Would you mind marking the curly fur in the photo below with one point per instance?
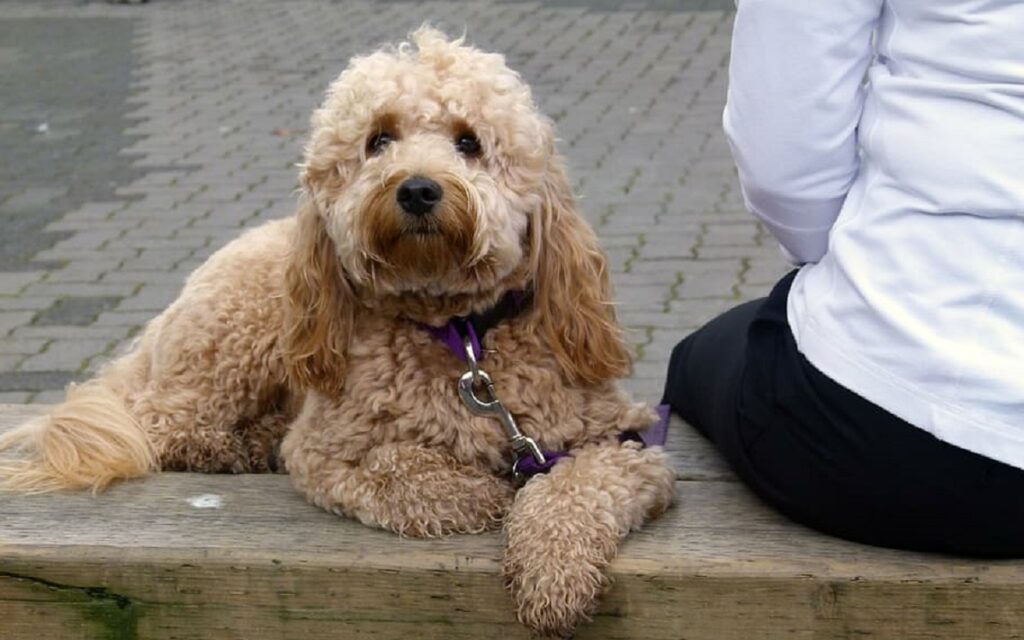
(564, 530)
(305, 336)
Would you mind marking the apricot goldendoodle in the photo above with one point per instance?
(431, 190)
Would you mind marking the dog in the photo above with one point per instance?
(432, 200)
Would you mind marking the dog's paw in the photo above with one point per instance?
(554, 597)
(556, 579)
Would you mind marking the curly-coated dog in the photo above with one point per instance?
(431, 191)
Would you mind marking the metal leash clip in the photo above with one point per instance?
(493, 408)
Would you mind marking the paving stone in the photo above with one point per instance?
(626, 295)
(765, 271)
(140, 241)
(14, 397)
(124, 318)
(83, 271)
(69, 355)
(68, 332)
(652, 367)
(139, 276)
(655, 319)
(709, 280)
(744, 235)
(619, 258)
(669, 245)
(643, 265)
(689, 314)
(22, 346)
(11, 319)
(164, 258)
(67, 255)
(111, 223)
(9, 362)
(76, 311)
(662, 341)
(25, 303)
(52, 396)
(717, 252)
(151, 297)
(33, 198)
(13, 283)
(79, 289)
(750, 292)
(628, 241)
(89, 240)
(35, 380)
(163, 227)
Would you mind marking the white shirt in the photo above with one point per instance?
(904, 195)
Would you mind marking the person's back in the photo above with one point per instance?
(918, 302)
(902, 198)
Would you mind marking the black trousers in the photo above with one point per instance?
(828, 458)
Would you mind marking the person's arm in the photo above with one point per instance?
(795, 98)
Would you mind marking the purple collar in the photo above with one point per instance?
(476, 325)
(450, 336)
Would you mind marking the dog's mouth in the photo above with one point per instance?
(422, 229)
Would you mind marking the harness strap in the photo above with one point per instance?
(654, 436)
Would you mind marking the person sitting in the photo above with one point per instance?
(877, 393)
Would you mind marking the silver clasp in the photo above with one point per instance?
(493, 408)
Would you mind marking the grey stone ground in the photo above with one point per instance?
(136, 140)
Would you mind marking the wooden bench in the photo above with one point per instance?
(244, 557)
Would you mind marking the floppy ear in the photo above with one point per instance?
(573, 295)
(319, 307)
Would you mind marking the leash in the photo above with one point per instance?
(463, 336)
(525, 447)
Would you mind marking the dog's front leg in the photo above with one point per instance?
(406, 488)
(565, 527)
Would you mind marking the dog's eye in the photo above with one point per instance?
(377, 142)
(468, 145)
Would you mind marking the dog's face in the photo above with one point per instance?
(431, 187)
(427, 165)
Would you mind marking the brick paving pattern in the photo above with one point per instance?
(137, 139)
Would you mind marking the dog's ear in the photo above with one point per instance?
(319, 307)
(573, 295)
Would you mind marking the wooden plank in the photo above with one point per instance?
(693, 457)
(141, 562)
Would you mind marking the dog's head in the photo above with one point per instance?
(431, 187)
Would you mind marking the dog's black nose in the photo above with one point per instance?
(418, 196)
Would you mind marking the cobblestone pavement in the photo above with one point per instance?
(137, 139)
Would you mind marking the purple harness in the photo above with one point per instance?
(653, 436)
(458, 342)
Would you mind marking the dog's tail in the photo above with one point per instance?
(86, 442)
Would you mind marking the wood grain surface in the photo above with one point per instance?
(191, 556)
